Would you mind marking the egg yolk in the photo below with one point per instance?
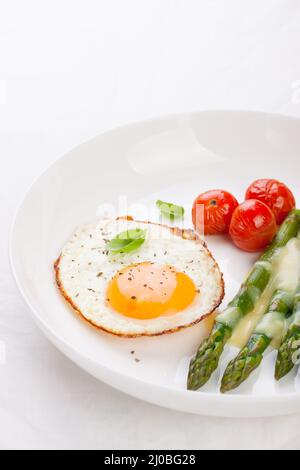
(149, 290)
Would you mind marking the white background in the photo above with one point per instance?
(68, 70)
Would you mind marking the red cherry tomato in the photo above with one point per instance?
(253, 226)
(276, 195)
(212, 212)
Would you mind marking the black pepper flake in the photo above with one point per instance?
(77, 295)
(132, 352)
(198, 291)
(99, 274)
(165, 253)
(133, 297)
(145, 285)
(137, 360)
(92, 290)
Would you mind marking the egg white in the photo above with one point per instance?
(84, 270)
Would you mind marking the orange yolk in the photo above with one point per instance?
(148, 290)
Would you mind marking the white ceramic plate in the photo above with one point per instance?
(174, 158)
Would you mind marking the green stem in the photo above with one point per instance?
(270, 328)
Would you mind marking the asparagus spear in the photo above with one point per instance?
(271, 327)
(287, 354)
(207, 358)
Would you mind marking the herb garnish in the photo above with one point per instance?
(169, 210)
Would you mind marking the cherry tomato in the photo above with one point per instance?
(253, 226)
(212, 212)
(276, 195)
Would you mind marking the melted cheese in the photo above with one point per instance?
(286, 276)
(271, 325)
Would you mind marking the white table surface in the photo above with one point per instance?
(69, 70)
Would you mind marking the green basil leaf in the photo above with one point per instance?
(127, 241)
(172, 211)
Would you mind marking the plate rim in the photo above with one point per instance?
(51, 333)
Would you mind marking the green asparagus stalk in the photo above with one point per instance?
(288, 351)
(271, 327)
(207, 358)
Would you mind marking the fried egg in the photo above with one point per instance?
(170, 282)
